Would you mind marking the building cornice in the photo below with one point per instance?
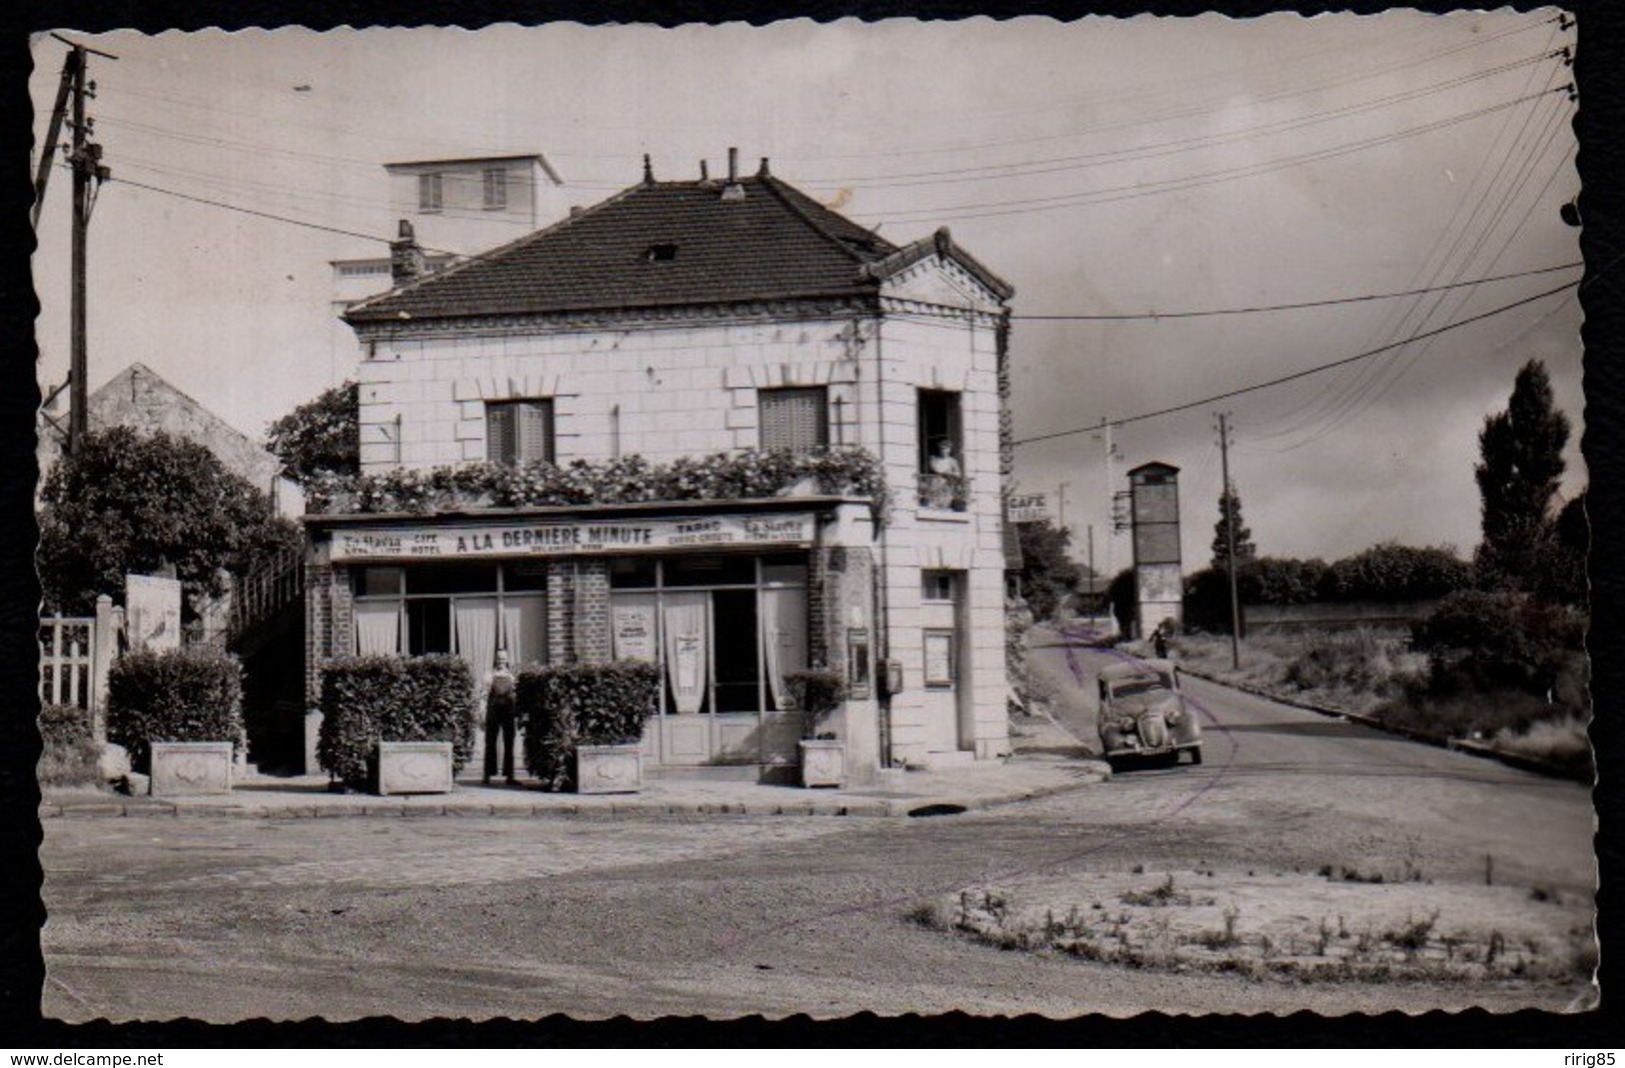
(676, 315)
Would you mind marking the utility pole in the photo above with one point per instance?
(1060, 506)
(1228, 498)
(88, 172)
(1092, 583)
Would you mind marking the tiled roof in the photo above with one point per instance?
(656, 244)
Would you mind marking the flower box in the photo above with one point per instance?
(609, 769)
(180, 769)
(823, 762)
(413, 768)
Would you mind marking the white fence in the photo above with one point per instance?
(75, 654)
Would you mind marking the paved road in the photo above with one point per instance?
(231, 918)
(1279, 767)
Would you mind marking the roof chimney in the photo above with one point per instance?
(648, 170)
(733, 190)
(705, 173)
(762, 171)
(406, 260)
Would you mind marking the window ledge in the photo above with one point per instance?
(942, 515)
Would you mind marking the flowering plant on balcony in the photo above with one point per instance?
(751, 473)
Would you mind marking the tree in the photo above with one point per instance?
(1048, 575)
(1561, 577)
(321, 436)
(1230, 512)
(126, 503)
(1521, 451)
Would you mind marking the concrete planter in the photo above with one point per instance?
(823, 762)
(180, 769)
(609, 769)
(413, 768)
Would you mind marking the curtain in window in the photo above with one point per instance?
(688, 634)
(377, 627)
(524, 630)
(784, 637)
(477, 636)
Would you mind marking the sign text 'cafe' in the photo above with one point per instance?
(571, 538)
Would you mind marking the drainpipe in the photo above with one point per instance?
(882, 651)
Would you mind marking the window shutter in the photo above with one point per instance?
(795, 419)
(499, 434)
(534, 439)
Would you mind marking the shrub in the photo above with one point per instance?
(71, 755)
(368, 699)
(1394, 572)
(817, 692)
(192, 694)
(1485, 641)
(567, 705)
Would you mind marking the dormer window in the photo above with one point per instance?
(661, 253)
(431, 192)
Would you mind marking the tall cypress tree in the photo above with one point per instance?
(1230, 512)
(1521, 465)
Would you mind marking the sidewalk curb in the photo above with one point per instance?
(856, 805)
(1459, 745)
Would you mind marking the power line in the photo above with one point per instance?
(1292, 307)
(1131, 192)
(1255, 387)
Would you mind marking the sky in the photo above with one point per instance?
(1132, 168)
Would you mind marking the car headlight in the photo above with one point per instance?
(1125, 724)
(1173, 716)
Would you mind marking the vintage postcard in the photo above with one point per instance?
(906, 516)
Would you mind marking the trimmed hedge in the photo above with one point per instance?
(70, 755)
(191, 694)
(567, 705)
(368, 699)
(816, 692)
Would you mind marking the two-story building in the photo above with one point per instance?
(677, 319)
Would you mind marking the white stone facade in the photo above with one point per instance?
(688, 384)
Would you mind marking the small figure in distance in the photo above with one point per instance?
(1159, 641)
(500, 709)
(943, 463)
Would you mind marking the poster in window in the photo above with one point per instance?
(939, 658)
(633, 628)
(857, 662)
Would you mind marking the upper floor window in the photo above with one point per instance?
(431, 192)
(519, 431)
(941, 451)
(795, 419)
(496, 189)
(937, 586)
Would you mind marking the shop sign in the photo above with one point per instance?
(571, 537)
(1028, 507)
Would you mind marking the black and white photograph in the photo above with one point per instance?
(1072, 517)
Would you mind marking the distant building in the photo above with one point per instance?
(681, 318)
(456, 207)
(140, 398)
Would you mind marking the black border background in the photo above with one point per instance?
(1600, 73)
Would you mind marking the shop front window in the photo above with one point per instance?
(725, 630)
(470, 610)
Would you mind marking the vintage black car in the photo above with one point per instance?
(1143, 715)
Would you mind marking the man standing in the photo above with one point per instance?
(499, 717)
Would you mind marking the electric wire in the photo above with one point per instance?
(1294, 376)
